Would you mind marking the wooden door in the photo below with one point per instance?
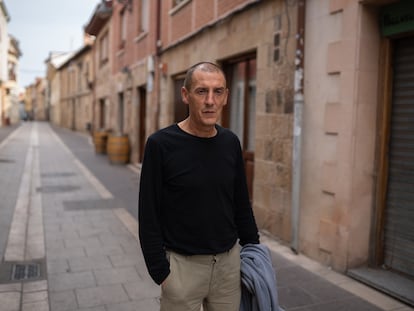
(240, 112)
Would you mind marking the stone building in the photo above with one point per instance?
(53, 63)
(4, 46)
(36, 100)
(357, 178)
(76, 97)
(11, 105)
(320, 97)
(99, 27)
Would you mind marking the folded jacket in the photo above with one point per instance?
(259, 291)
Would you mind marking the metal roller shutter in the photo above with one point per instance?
(399, 214)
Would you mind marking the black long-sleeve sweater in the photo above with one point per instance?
(193, 197)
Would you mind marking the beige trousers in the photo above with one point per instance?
(209, 280)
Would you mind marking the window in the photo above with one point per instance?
(123, 29)
(103, 49)
(79, 77)
(180, 109)
(143, 16)
(242, 102)
(12, 71)
(121, 112)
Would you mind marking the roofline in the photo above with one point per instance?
(4, 9)
(78, 53)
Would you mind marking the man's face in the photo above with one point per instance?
(207, 97)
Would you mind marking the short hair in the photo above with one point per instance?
(203, 66)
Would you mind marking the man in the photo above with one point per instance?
(194, 204)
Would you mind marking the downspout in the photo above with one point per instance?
(158, 51)
(298, 103)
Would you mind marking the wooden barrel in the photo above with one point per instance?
(99, 140)
(118, 149)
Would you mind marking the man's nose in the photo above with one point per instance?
(210, 97)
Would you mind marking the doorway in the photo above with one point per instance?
(240, 113)
(180, 109)
(142, 116)
(121, 112)
(398, 230)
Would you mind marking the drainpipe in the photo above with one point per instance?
(297, 125)
(157, 74)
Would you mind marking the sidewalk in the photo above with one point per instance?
(93, 261)
(73, 221)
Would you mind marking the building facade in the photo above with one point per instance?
(38, 103)
(53, 63)
(76, 81)
(99, 27)
(4, 47)
(357, 176)
(320, 97)
(11, 105)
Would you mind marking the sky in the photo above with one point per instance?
(44, 26)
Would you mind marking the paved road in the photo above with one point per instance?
(81, 228)
(122, 181)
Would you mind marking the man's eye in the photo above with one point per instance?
(219, 91)
(201, 92)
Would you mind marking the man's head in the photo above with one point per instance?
(205, 93)
(203, 66)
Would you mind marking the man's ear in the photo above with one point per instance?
(184, 95)
(227, 97)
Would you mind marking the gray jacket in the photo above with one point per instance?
(259, 292)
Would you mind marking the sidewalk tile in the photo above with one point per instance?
(35, 297)
(145, 304)
(65, 281)
(98, 296)
(10, 301)
(36, 306)
(116, 276)
(35, 286)
(89, 263)
(83, 242)
(65, 253)
(125, 260)
(13, 287)
(63, 301)
(141, 290)
(57, 266)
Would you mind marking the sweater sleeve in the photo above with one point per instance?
(244, 217)
(149, 213)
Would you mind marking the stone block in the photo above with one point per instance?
(329, 177)
(332, 118)
(327, 235)
(334, 57)
(336, 6)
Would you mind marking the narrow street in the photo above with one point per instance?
(69, 236)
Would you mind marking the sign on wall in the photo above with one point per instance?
(397, 18)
